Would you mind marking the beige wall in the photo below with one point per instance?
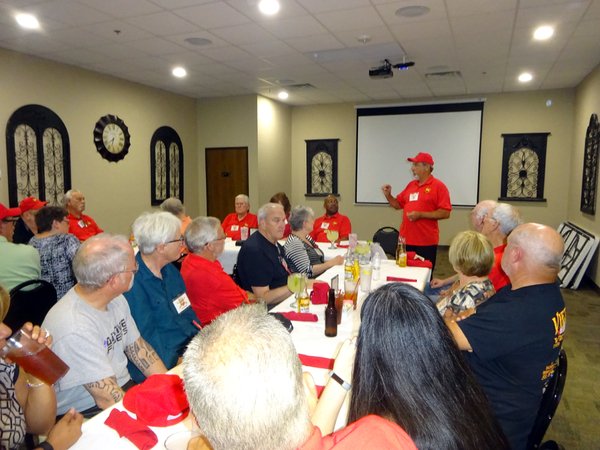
(503, 113)
(587, 102)
(116, 193)
(228, 122)
(274, 149)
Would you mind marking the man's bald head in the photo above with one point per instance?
(480, 211)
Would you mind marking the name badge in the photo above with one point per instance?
(325, 225)
(235, 227)
(81, 224)
(414, 197)
(182, 303)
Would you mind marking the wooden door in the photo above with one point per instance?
(226, 177)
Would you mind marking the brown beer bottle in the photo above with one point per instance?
(331, 316)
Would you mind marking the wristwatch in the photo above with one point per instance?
(336, 377)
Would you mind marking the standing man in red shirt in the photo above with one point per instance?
(424, 201)
(240, 218)
(80, 225)
(332, 220)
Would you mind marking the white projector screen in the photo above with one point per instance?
(387, 136)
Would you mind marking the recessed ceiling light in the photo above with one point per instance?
(543, 33)
(269, 6)
(525, 77)
(198, 41)
(179, 72)
(412, 11)
(283, 95)
(27, 21)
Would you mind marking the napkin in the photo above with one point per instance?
(405, 280)
(300, 317)
(414, 260)
(342, 246)
(318, 362)
(139, 434)
(318, 296)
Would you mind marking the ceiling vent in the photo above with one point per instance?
(444, 76)
(299, 87)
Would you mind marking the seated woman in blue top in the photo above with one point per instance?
(301, 252)
(158, 300)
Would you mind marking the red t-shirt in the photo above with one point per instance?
(497, 276)
(211, 291)
(84, 227)
(231, 225)
(336, 222)
(370, 432)
(430, 196)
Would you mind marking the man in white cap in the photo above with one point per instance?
(424, 201)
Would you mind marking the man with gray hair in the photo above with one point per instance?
(242, 217)
(243, 369)
(94, 332)
(80, 225)
(261, 264)
(480, 211)
(211, 291)
(513, 341)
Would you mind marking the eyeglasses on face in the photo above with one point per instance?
(180, 240)
(133, 271)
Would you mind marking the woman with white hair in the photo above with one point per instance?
(301, 252)
(157, 299)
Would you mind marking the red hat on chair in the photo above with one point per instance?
(422, 158)
(160, 401)
(9, 212)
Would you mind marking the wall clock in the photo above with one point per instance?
(111, 138)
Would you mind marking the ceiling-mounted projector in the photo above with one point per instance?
(385, 71)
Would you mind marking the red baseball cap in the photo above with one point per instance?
(160, 401)
(9, 212)
(30, 203)
(422, 158)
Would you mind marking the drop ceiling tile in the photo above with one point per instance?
(308, 70)
(248, 63)
(9, 12)
(117, 67)
(315, 43)
(468, 7)
(266, 49)
(35, 45)
(289, 60)
(587, 28)
(533, 3)
(176, 4)
(221, 54)
(78, 57)
(189, 60)
(550, 15)
(482, 23)
(437, 11)
(118, 51)
(70, 13)
(214, 69)
(78, 37)
(162, 24)
(351, 19)
(155, 46)
(212, 15)
(421, 30)
(377, 35)
(216, 42)
(287, 9)
(585, 48)
(421, 48)
(294, 28)
(320, 6)
(153, 63)
(122, 9)
(250, 33)
(118, 31)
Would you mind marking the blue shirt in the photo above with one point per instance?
(151, 303)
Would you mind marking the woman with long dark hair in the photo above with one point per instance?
(409, 370)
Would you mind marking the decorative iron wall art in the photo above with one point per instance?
(580, 247)
(166, 165)
(523, 167)
(38, 156)
(321, 167)
(589, 183)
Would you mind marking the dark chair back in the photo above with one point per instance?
(388, 239)
(30, 306)
(550, 401)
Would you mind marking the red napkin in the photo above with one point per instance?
(342, 245)
(139, 434)
(412, 260)
(300, 317)
(319, 362)
(405, 280)
(318, 296)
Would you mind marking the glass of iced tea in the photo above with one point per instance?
(33, 357)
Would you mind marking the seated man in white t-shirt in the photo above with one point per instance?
(94, 333)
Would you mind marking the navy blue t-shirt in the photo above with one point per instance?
(261, 263)
(516, 337)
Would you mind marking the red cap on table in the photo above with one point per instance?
(160, 401)
(422, 158)
(29, 203)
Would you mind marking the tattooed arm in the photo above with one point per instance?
(105, 392)
(145, 358)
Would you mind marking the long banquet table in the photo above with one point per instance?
(308, 337)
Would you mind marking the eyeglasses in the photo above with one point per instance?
(180, 240)
(133, 271)
(10, 219)
(219, 239)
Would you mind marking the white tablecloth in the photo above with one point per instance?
(308, 337)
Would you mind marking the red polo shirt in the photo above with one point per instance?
(211, 291)
(430, 196)
(370, 432)
(497, 276)
(231, 225)
(84, 227)
(336, 222)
